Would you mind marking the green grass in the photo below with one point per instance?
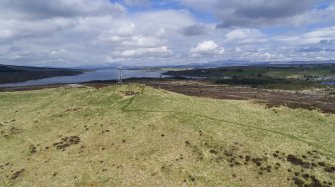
(155, 138)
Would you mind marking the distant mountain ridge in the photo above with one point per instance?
(213, 64)
(230, 62)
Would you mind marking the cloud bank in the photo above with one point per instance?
(72, 33)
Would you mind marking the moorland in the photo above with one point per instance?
(168, 132)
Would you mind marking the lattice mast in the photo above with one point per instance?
(119, 80)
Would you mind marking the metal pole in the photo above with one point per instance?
(120, 75)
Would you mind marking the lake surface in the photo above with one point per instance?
(332, 83)
(105, 74)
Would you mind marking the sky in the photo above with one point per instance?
(71, 33)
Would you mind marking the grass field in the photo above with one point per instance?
(134, 135)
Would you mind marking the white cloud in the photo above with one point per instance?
(58, 52)
(315, 16)
(6, 33)
(77, 32)
(244, 36)
(167, 19)
(91, 39)
(126, 29)
(206, 48)
(140, 52)
(141, 41)
(312, 37)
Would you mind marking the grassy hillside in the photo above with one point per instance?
(133, 135)
(13, 74)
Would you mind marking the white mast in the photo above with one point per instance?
(120, 75)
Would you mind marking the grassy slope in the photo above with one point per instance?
(155, 138)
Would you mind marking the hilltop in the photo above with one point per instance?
(136, 135)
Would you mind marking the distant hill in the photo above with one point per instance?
(13, 74)
(230, 62)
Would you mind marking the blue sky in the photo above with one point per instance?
(150, 32)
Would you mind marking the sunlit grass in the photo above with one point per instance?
(150, 137)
